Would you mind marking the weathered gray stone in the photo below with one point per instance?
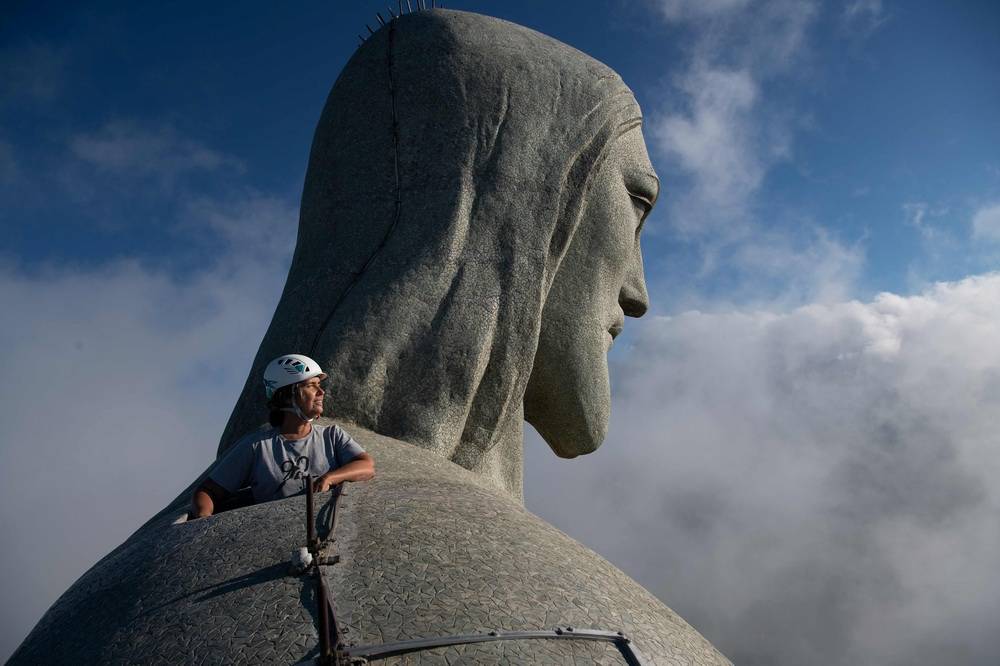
(426, 549)
(487, 294)
(482, 287)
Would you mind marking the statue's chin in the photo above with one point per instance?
(570, 433)
(568, 399)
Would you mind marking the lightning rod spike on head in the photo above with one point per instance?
(391, 13)
(399, 6)
(370, 31)
(409, 7)
(361, 39)
(379, 17)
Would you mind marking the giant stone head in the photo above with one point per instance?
(468, 243)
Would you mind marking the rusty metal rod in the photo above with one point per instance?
(325, 651)
(310, 518)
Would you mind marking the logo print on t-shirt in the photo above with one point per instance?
(295, 469)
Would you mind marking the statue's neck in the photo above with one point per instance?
(497, 455)
(502, 464)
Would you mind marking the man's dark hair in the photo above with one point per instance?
(282, 398)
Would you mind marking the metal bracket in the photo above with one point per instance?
(349, 655)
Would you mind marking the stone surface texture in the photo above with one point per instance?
(467, 250)
(426, 549)
(461, 171)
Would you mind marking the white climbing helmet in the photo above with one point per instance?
(289, 369)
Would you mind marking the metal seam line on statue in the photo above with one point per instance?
(332, 651)
(398, 202)
(625, 646)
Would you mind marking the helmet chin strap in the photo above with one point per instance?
(298, 412)
(294, 409)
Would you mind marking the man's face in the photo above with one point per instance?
(310, 396)
(599, 282)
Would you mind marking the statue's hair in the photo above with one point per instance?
(447, 177)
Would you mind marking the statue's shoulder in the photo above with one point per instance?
(429, 549)
(426, 549)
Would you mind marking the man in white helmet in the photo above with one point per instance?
(274, 462)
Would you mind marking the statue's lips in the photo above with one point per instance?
(615, 322)
(616, 328)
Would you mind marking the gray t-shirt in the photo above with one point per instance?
(275, 467)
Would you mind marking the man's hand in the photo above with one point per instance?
(324, 483)
(361, 468)
(203, 504)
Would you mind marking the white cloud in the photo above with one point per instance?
(127, 149)
(118, 383)
(765, 36)
(821, 269)
(864, 17)
(726, 124)
(686, 10)
(920, 215)
(31, 71)
(256, 227)
(763, 268)
(917, 211)
(714, 140)
(819, 481)
(986, 223)
(717, 128)
(123, 373)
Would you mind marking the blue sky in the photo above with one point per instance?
(866, 119)
(821, 268)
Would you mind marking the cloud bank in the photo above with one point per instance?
(719, 131)
(725, 122)
(986, 223)
(118, 382)
(811, 486)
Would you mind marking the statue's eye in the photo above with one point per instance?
(643, 188)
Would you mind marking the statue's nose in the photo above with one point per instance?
(633, 297)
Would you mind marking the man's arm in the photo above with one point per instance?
(232, 471)
(361, 468)
(206, 496)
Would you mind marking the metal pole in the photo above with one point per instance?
(310, 518)
(324, 618)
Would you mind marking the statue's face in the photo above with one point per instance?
(599, 282)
